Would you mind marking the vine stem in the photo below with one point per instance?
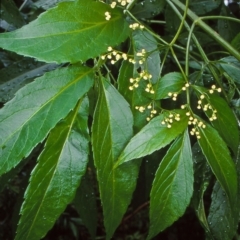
(198, 21)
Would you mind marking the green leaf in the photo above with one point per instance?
(222, 218)
(236, 42)
(172, 187)
(148, 8)
(226, 122)
(112, 129)
(85, 203)
(136, 97)
(46, 4)
(202, 177)
(202, 7)
(153, 136)
(219, 159)
(27, 119)
(171, 82)
(18, 74)
(141, 39)
(71, 32)
(57, 175)
(10, 17)
(232, 70)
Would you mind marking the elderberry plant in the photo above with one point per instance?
(114, 82)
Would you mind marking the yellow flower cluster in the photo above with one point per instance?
(107, 16)
(196, 124)
(150, 106)
(142, 56)
(170, 119)
(121, 2)
(114, 55)
(214, 88)
(135, 26)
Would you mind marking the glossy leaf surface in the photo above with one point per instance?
(222, 218)
(71, 32)
(112, 129)
(219, 159)
(57, 175)
(226, 122)
(153, 136)
(37, 108)
(171, 82)
(172, 187)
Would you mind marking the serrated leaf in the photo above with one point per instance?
(70, 32)
(172, 187)
(226, 122)
(222, 218)
(171, 82)
(153, 136)
(141, 39)
(112, 129)
(57, 175)
(18, 74)
(27, 119)
(85, 203)
(219, 159)
(148, 8)
(10, 17)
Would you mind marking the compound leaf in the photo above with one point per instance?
(70, 32)
(172, 187)
(55, 178)
(112, 129)
(37, 108)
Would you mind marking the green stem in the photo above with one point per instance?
(181, 24)
(130, 5)
(198, 21)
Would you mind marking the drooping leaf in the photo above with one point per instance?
(57, 175)
(226, 122)
(220, 161)
(27, 119)
(172, 187)
(71, 32)
(141, 39)
(18, 74)
(85, 203)
(153, 136)
(222, 218)
(10, 17)
(112, 129)
(148, 8)
(202, 177)
(169, 83)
